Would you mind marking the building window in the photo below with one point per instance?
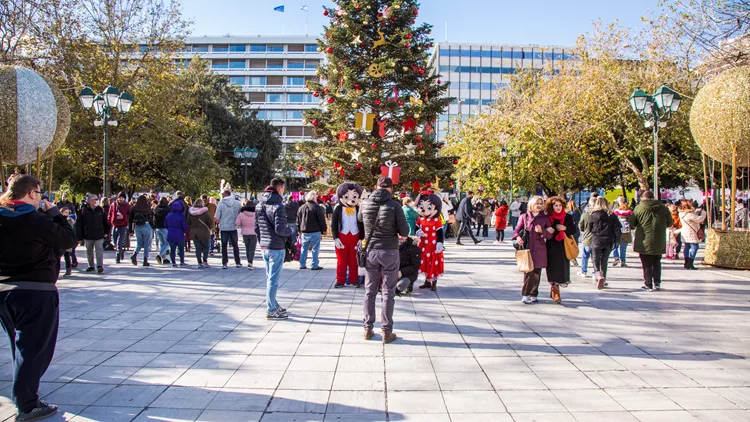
(257, 64)
(294, 114)
(198, 48)
(274, 98)
(295, 80)
(221, 48)
(275, 64)
(300, 98)
(275, 80)
(237, 80)
(311, 48)
(273, 115)
(312, 64)
(258, 80)
(294, 131)
(295, 64)
(219, 64)
(258, 48)
(276, 48)
(257, 97)
(237, 64)
(237, 48)
(296, 48)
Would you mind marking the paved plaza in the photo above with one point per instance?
(164, 344)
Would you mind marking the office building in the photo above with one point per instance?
(477, 71)
(270, 70)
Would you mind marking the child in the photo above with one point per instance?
(176, 226)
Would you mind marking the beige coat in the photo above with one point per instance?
(691, 225)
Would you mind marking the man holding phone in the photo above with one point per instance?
(31, 244)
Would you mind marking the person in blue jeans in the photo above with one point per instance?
(160, 214)
(140, 222)
(586, 238)
(176, 225)
(272, 231)
(311, 221)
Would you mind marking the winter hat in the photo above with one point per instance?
(122, 195)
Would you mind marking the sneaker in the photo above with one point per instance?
(478, 241)
(599, 280)
(205, 265)
(497, 242)
(182, 264)
(337, 286)
(134, 260)
(316, 268)
(657, 287)
(389, 337)
(224, 267)
(582, 274)
(622, 264)
(646, 288)
(158, 259)
(200, 265)
(277, 315)
(90, 269)
(249, 266)
(302, 268)
(100, 269)
(67, 272)
(616, 263)
(525, 299)
(166, 261)
(282, 309)
(117, 259)
(174, 265)
(238, 266)
(534, 299)
(42, 410)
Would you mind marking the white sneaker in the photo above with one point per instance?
(534, 299)
(526, 299)
(497, 242)
(581, 274)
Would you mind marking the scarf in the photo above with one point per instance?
(558, 216)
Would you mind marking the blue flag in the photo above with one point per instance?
(279, 8)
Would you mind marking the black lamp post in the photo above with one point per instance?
(655, 110)
(512, 158)
(104, 105)
(246, 154)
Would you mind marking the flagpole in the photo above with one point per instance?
(307, 20)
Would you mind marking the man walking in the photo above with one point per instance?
(118, 219)
(384, 222)
(226, 214)
(91, 228)
(651, 219)
(272, 232)
(515, 213)
(311, 221)
(465, 215)
(31, 244)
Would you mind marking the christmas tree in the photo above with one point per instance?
(378, 99)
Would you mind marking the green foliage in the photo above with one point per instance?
(390, 80)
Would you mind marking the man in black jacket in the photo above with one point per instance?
(291, 207)
(384, 222)
(408, 269)
(31, 244)
(465, 215)
(272, 232)
(91, 228)
(311, 221)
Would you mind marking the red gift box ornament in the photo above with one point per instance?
(391, 169)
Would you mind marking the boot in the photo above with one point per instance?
(369, 333)
(388, 336)
(686, 264)
(145, 263)
(134, 259)
(434, 285)
(117, 257)
(555, 293)
(67, 271)
(427, 285)
(691, 264)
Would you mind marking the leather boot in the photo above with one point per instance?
(686, 265)
(691, 264)
(369, 333)
(388, 336)
(427, 285)
(434, 286)
(555, 292)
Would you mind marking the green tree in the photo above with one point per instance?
(376, 67)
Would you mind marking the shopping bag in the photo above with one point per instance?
(524, 263)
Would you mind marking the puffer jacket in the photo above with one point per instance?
(388, 224)
(409, 255)
(226, 212)
(270, 221)
(605, 230)
(691, 225)
(175, 223)
(651, 220)
(160, 214)
(246, 221)
(200, 223)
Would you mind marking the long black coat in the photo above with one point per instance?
(558, 265)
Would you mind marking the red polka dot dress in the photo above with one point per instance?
(432, 262)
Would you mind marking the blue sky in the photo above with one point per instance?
(551, 22)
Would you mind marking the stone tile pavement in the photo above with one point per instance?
(163, 344)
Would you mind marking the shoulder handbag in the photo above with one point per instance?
(362, 250)
(289, 247)
(571, 247)
(700, 234)
(524, 260)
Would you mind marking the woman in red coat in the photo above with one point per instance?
(501, 222)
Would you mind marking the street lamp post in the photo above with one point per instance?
(655, 110)
(512, 157)
(246, 155)
(104, 106)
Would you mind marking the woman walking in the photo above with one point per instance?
(626, 237)
(141, 222)
(558, 264)
(606, 232)
(532, 230)
(480, 212)
(200, 227)
(246, 222)
(691, 232)
(501, 222)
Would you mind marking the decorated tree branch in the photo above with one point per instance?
(379, 101)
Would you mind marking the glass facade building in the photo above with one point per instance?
(270, 71)
(477, 71)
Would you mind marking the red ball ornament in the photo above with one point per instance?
(406, 45)
(414, 22)
(301, 193)
(400, 103)
(330, 100)
(408, 36)
(326, 90)
(315, 122)
(393, 19)
(440, 146)
(428, 184)
(300, 168)
(439, 82)
(316, 94)
(380, 15)
(329, 50)
(359, 7)
(325, 13)
(377, 102)
(359, 165)
(419, 144)
(455, 161)
(418, 138)
(450, 183)
(416, 12)
(317, 173)
(421, 71)
(374, 145)
(336, 165)
(403, 194)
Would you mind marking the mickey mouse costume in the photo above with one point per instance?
(347, 232)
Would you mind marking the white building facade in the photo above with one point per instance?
(477, 71)
(271, 71)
